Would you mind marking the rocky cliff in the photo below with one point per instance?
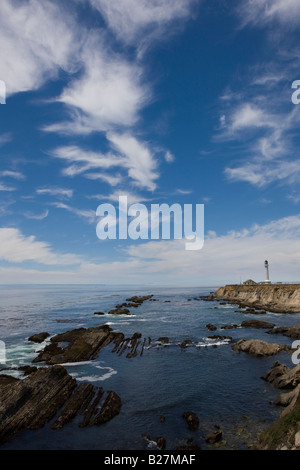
(281, 298)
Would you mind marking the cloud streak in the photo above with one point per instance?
(29, 34)
(18, 248)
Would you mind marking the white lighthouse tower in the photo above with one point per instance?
(267, 281)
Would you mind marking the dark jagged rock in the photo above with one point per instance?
(34, 401)
(7, 380)
(257, 324)
(80, 398)
(31, 403)
(229, 327)
(119, 311)
(134, 343)
(91, 411)
(161, 442)
(292, 332)
(110, 408)
(214, 437)
(39, 337)
(99, 313)
(122, 344)
(164, 340)
(221, 338)
(211, 327)
(284, 433)
(282, 377)
(186, 343)
(27, 370)
(191, 419)
(139, 299)
(76, 345)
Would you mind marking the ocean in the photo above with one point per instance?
(208, 378)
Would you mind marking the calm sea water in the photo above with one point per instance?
(223, 388)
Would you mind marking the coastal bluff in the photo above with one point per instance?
(277, 298)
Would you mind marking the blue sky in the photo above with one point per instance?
(166, 101)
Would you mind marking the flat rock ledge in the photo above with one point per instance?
(82, 344)
(259, 348)
(51, 394)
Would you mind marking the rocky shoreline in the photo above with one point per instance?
(49, 395)
(284, 434)
(276, 298)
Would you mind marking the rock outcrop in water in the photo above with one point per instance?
(135, 301)
(82, 344)
(39, 337)
(49, 393)
(259, 348)
(283, 298)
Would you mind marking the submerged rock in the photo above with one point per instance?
(214, 437)
(164, 340)
(191, 419)
(187, 342)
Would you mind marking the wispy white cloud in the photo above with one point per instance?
(128, 153)
(169, 157)
(81, 160)
(62, 192)
(41, 216)
(261, 12)
(183, 191)
(263, 129)
(89, 215)
(110, 92)
(132, 198)
(18, 248)
(141, 21)
(262, 173)
(112, 180)
(4, 187)
(138, 158)
(29, 35)
(13, 174)
(5, 138)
